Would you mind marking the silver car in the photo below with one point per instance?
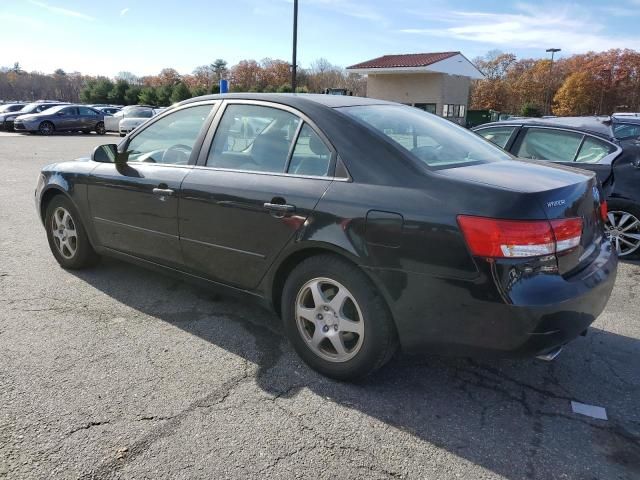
(134, 115)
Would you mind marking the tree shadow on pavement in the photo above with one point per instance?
(512, 417)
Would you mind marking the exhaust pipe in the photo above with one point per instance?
(551, 355)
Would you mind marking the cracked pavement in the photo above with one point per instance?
(118, 373)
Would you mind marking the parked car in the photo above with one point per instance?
(112, 124)
(11, 107)
(7, 119)
(63, 118)
(134, 118)
(365, 224)
(607, 146)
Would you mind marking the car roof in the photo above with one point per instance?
(600, 126)
(295, 99)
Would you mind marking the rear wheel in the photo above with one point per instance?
(46, 128)
(623, 228)
(336, 320)
(66, 235)
(100, 130)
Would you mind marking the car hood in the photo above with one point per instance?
(519, 175)
(3, 116)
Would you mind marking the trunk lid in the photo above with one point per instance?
(560, 192)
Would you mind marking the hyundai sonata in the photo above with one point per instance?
(366, 225)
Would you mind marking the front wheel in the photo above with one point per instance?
(100, 130)
(46, 128)
(336, 320)
(623, 229)
(67, 236)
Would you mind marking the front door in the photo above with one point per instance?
(135, 206)
(263, 176)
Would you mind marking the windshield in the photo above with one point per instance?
(436, 142)
(10, 108)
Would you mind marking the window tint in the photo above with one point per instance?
(310, 155)
(548, 144)
(87, 111)
(593, 150)
(498, 135)
(170, 139)
(253, 137)
(434, 141)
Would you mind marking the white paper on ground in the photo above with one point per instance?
(589, 410)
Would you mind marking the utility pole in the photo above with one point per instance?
(547, 101)
(295, 46)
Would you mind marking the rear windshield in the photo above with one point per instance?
(139, 113)
(436, 142)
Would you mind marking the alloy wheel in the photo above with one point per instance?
(46, 128)
(329, 319)
(623, 229)
(64, 232)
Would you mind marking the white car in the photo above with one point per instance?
(128, 118)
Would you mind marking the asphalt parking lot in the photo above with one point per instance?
(118, 372)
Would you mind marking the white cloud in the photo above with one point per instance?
(570, 27)
(61, 11)
(124, 11)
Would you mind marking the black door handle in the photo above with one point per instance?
(280, 207)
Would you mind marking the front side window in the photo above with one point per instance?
(549, 144)
(593, 150)
(170, 139)
(310, 155)
(434, 141)
(498, 135)
(69, 111)
(253, 138)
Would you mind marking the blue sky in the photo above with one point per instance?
(143, 36)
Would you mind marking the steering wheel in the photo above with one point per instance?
(174, 152)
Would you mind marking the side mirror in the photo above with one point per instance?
(108, 154)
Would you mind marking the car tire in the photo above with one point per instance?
(67, 236)
(623, 220)
(345, 339)
(100, 130)
(46, 128)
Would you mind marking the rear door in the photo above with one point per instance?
(135, 207)
(264, 173)
(571, 148)
(88, 118)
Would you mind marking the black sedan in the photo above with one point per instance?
(63, 118)
(365, 224)
(609, 147)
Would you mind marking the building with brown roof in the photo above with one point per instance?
(436, 82)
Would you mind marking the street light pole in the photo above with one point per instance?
(547, 102)
(295, 46)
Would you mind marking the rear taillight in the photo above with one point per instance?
(490, 237)
(604, 210)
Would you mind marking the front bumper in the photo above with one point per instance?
(502, 312)
(22, 126)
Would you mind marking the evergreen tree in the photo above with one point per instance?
(148, 96)
(180, 93)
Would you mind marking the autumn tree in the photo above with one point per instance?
(577, 95)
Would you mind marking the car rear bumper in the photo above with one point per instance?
(526, 315)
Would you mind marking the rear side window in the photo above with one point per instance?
(593, 150)
(436, 142)
(253, 138)
(310, 155)
(549, 144)
(497, 135)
